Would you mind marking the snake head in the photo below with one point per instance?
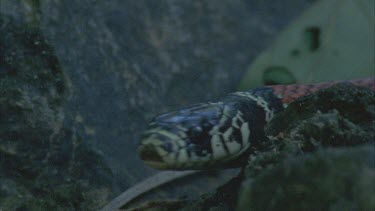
(201, 136)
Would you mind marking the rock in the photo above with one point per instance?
(44, 164)
(331, 179)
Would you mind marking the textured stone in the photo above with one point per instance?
(331, 179)
(43, 163)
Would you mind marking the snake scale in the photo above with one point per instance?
(223, 133)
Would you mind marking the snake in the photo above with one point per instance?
(223, 133)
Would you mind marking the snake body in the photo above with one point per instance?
(223, 133)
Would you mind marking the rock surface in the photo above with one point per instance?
(331, 179)
(44, 164)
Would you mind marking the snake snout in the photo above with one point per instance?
(150, 155)
(188, 138)
(153, 150)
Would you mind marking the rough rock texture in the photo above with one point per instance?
(129, 60)
(319, 156)
(331, 179)
(43, 163)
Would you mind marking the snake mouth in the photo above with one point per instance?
(150, 155)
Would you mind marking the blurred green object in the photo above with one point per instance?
(280, 73)
(333, 40)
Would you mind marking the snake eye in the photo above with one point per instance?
(196, 129)
(194, 132)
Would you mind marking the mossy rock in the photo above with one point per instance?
(331, 179)
(44, 165)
